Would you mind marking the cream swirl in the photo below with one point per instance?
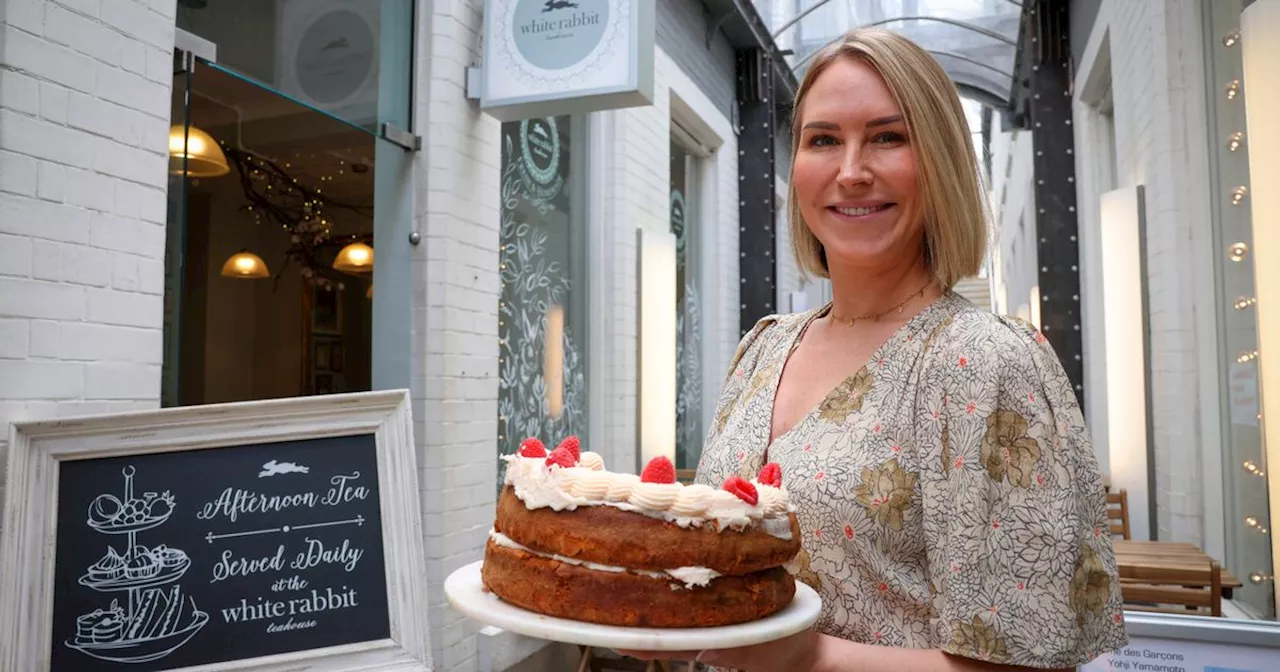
(773, 500)
(593, 486)
(692, 501)
(592, 461)
(655, 496)
(620, 487)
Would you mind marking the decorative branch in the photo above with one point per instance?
(280, 198)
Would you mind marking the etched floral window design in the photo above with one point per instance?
(542, 317)
(689, 428)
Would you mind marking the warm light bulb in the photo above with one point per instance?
(1238, 194)
(1235, 140)
(1251, 521)
(1244, 302)
(1231, 39)
(1238, 251)
(1233, 89)
(1246, 356)
(1258, 577)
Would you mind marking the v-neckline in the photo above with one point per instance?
(911, 325)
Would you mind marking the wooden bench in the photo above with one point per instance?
(1173, 586)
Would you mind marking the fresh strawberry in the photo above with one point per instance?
(572, 445)
(742, 489)
(771, 474)
(532, 447)
(562, 457)
(659, 470)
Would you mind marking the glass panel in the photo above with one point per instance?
(276, 256)
(1248, 524)
(329, 55)
(688, 310)
(969, 54)
(542, 323)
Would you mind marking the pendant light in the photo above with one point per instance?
(245, 264)
(204, 158)
(354, 258)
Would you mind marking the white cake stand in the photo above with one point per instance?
(466, 593)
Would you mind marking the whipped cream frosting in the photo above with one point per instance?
(566, 488)
(687, 576)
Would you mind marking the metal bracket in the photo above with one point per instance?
(187, 41)
(473, 80)
(713, 25)
(396, 135)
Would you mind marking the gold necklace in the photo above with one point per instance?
(876, 318)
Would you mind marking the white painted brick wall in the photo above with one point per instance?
(84, 119)
(456, 288)
(1154, 145)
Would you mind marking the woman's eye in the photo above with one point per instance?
(889, 138)
(821, 141)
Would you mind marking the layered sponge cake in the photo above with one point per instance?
(574, 540)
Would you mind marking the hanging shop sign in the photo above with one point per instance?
(152, 540)
(554, 57)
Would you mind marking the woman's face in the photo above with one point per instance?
(854, 171)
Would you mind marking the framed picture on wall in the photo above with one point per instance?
(322, 360)
(326, 311)
(335, 356)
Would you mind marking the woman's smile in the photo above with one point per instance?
(862, 211)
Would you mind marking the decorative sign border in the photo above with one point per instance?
(30, 514)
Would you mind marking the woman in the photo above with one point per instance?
(952, 511)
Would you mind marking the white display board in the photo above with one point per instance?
(1167, 655)
(1174, 643)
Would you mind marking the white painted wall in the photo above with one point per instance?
(1013, 254)
(84, 127)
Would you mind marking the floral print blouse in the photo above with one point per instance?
(947, 492)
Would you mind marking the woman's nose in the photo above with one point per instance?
(853, 169)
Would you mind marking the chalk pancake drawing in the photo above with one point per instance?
(155, 619)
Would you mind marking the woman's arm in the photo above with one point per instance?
(813, 652)
(841, 655)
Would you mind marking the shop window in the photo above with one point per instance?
(689, 329)
(542, 313)
(329, 55)
(270, 244)
(1247, 525)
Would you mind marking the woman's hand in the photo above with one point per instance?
(798, 653)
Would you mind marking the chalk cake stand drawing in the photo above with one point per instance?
(156, 621)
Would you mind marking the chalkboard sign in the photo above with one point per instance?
(180, 559)
(167, 559)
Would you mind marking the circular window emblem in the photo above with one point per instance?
(555, 34)
(677, 219)
(335, 56)
(540, 149)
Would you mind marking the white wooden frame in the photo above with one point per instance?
(30, 514)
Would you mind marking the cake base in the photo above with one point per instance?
(548, 586)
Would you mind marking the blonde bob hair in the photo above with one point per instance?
(955, 213)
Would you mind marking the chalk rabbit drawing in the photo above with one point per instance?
(155, 618)
(272, 468)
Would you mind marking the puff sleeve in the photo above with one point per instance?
(1020, 558)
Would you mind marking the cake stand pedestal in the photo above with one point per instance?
(466, 593)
